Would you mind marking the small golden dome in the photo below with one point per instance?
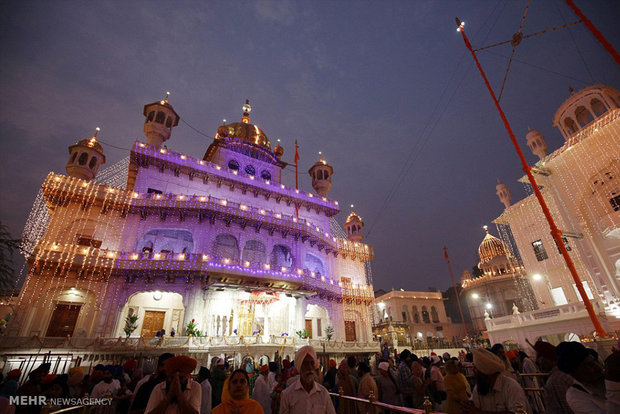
(490, 248)
(353, 217)
(244, 131)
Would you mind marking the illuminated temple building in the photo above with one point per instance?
(581, 186)
(219, 242)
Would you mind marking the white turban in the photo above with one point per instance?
(384, 366)
(487, 362)
(301, 354)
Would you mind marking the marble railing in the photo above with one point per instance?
(557, 313)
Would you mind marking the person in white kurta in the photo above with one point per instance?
(262, 391)
(205, 385)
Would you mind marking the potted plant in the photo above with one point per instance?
(130, 325)
(303, 334)
(329, 332)
(191, 330)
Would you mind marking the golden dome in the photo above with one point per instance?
(245, 132)
(490, 248)
(91, 143)
(353, 217)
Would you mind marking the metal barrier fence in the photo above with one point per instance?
(363, 406)
(535, 395)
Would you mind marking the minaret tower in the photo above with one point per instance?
(85, 157)
(160, 119)
(536, 142)
(354, 226)
(502, 191)
(321, 173)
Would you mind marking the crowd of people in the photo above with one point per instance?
(483, 380)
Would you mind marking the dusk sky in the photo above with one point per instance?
(385, 89)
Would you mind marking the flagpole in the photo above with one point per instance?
(458, 301)
(296, 175)
(598, 35)
(556, 233)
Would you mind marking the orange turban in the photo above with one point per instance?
(332, 363)
(264, 369)
(512, 354)
(14, 373)
(183, 364)
(130, 365)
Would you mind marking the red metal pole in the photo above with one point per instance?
(458, 300)
(555, 232)
(598, 35)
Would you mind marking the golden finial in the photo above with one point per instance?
(92, 141)
(247, 108)
(165, 100)
(486, 228)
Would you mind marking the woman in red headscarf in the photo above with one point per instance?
(236, 396)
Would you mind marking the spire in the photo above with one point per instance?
(354, 225)
(165, 100)
(85, 158)
(321, 173)
(502, 191)
(93, 140)
(247, 108)
(160, 118)
(536, 142)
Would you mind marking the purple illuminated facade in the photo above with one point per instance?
(217, 241)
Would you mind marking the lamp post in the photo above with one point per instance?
(555, 232)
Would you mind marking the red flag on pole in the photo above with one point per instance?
(296, 175)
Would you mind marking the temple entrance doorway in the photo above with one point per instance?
(153, 323)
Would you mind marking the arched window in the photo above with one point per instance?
(425, 316)
(170, 240)
(583, 116)
(83, 158)
(92, 162)
(404, 313)
(151, 116)
(169, 122)
(326, 175)
(434, 315)
(597, 107)
(570, 125)
(314, 264)
(281, 256)
(266, 175)
(73, 157)
(160, 117)
(226, 246)
(233, 165)
(254, 251)
(416, 315)
(249, 169)
(319, 175)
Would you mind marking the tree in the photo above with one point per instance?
(8, 246)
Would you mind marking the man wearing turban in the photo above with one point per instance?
(305, 395)
(587, 393)
(557, 382)
(179, 394)
(494, 392)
